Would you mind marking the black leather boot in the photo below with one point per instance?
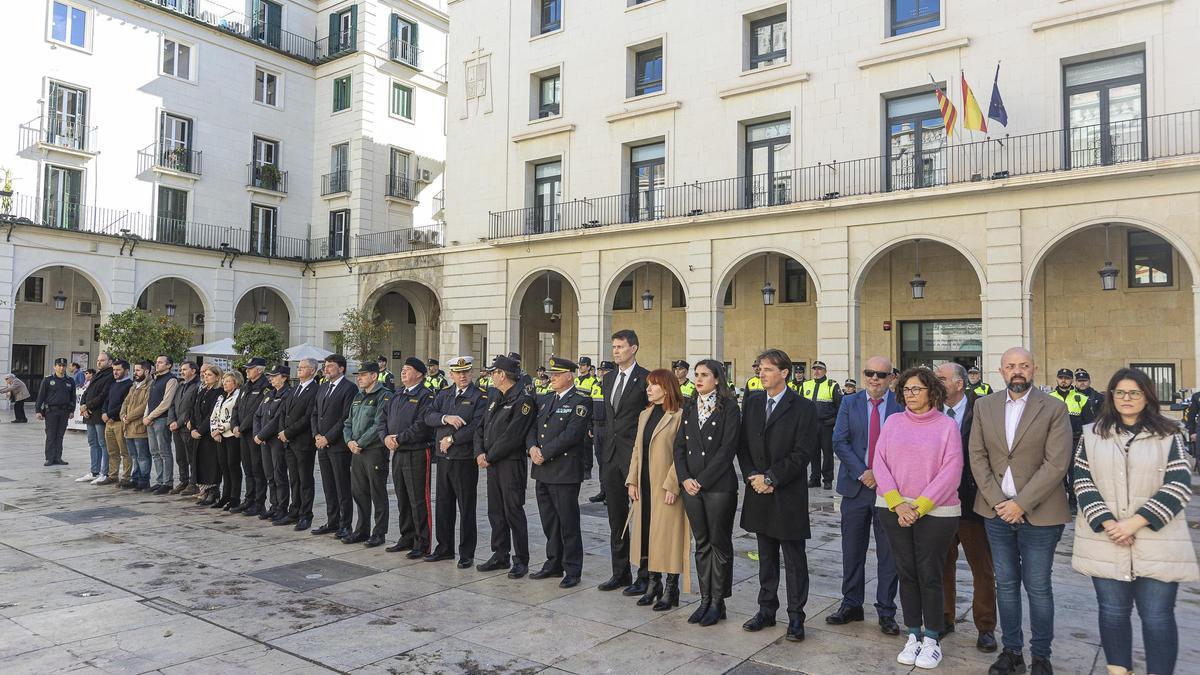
(701, 609)
(715, 613)
(653, 592)
(670, 594)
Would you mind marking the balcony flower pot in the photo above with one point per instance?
(269, 176)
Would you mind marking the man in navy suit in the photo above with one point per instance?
(859, 421)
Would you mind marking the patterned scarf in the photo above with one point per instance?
(705, 405)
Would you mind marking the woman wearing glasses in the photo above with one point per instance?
(918, 465)
(1132, 478)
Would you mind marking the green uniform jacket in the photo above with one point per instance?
(363, 421)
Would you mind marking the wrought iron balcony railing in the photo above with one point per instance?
(338, 181)
(266, 177)
(397, 241)
(59, 131)
(404, 52)
(402, 187)
(163, 155)
(1077, 149)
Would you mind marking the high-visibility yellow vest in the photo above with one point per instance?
(688, 389)
(793, 386)
(982, 389)
(823, 393)
(435, 383)
(484, 382)
(754, 384)
(585, 382)
(1075, 401)
(597, 391)
(541, 386)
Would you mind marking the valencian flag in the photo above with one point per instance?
(972, 115)
(996, 109)
(946, 106)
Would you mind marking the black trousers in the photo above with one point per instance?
(920, 554)
(185, 455)
(410, 480)
(368, 484)
(506, 482)
(252, 467)
(795, 562)
(558, 506)
(457, 488)
(711, 517)
(612, 483)
(56, 428)
(19, 411)
(335, 482)
(821, 466)
(229, 459)
(275, 464)
(300, 481)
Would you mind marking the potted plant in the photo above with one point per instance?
(269, 176)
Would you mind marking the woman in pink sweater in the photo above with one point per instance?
(917, 466)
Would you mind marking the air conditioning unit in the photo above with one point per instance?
(198, 319)
(426, 176)
(433, 237)
(416, 237)
(85, 308)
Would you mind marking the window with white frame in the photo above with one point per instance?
(69, 24)
(266, 87)
(263, 229)
(176, 59)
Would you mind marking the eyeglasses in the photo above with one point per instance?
(1132, 394)
(913, 391)
(881, 374)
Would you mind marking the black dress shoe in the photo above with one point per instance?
(638, 587)
(596, 499)
(569, 581)
(354, 538)
(343, 533)
(375, 541)
(465, 563)
(398, 547)
(815, 482)
(546, 573)
(986, 642)
(239, 507)
(414, 554)
(266, 515)
(795, 631)
(828, 486)
(615, 582)
(888, 625)
(285, 520)
(438, 557)
(758, 622)
(1041, 666)
(325, 529)
(492, 564)
(252, 510)
(845, 615)
(228, 506)
(48, 463)
(303, 524)
(518, 570)
(219, 503)
(61, 462)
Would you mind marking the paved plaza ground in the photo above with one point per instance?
(98, 579)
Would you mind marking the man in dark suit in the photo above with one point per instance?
(779, 436)
(559, 447)
(960, 402)
(859, 422)
(624, 399)
(300, 454)
(329, 414)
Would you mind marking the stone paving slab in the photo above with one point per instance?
(313, 573)
(93, 515)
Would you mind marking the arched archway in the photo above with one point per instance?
(745, 324)
(178, 299)
(264, 304)
(56, 311)
(1074, 323)
(413, 309)
(535, 333)
(649, 297)
(945, 324)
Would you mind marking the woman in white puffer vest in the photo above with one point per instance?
(1132, 477)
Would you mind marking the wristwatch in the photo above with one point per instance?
(768, 481)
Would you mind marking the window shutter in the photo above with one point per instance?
(353, 27)
(393, 36)
(332, 43)
(413, 29)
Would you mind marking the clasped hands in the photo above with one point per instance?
(1122, 532)
(669, 497)
(759, 483)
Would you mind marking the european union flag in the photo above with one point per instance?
(996, 109)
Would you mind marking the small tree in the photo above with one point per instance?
(362, 331)
(258, 339)
(138, 335)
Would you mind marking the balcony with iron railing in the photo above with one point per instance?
(1078, 149)
(398, 241)
(335, 45)
(58, 132)
(401, 187)
(336, 182)
(165, 156)
(404, 52)
(263, 176)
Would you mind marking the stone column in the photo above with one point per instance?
(592, 339)
(701, 342)
(220, 325)
(8, 293)
(1195, 336)
(836, 344)
(1004, 301)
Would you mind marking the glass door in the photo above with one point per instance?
(769, 164)
(29, 365)
(339, 163)
(916, 139)
(400, 186)
(932, 343)
(66, 120)
(268, 22)
(266, 154)
(61, 197)
(339, 234)
(176, 142)
(172, 215)
(547, 194)
(647, 176)
(262, 230)
(1105, 109)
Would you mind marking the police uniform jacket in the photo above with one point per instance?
(296, 423)
(366, 417)
(826, 410)
(779, 448)
(505, 427)
(247, 404)
(470, 406)
(387, 380)
(561, 431)
(56, 393)
(705, 453)
(96, 395)
(268, 417)
(404, 416)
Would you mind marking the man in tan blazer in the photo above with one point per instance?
(1020, 450)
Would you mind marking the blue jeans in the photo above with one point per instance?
(1024, 554)
(1156, 607)
(95, 438)
(139, 455)
(159, 436)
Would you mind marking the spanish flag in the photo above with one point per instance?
(972, 115)
(949, 113)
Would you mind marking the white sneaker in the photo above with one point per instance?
(85, 478)
(930, 655)
(912, 648)
(100, 480)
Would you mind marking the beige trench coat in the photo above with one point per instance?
(670, 534)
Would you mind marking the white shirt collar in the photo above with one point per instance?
(1020, 399)
(628, 371)
(779, 396)
(334, 383)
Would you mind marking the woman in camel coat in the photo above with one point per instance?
(660, 537)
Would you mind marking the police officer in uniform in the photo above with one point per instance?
(558, 445)
(435, 381)
(500, 445)
(484, 381)
(386, 378)
(268, 421)
(754, 383)
(797, 380)
(541, 382)
(1083, 385)
(827, 396)
(454, 416)
(524, 379)
(686, 386)
(368, 461)
(600, 424)
(849, 387)
(1076, 403)
(55, 403)
(243, 427)
(976, 384)
(404, 432)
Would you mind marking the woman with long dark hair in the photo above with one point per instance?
(705, 447)
(208, 450)
(658, 532)
(1133, 479)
